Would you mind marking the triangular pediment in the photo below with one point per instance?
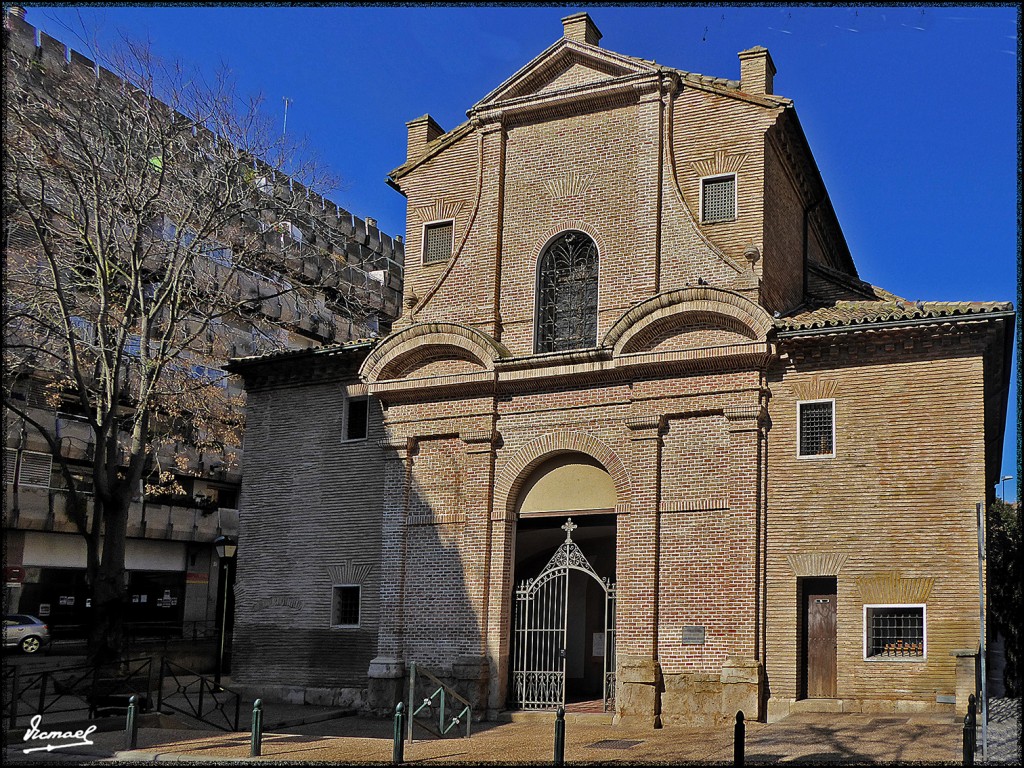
(563, 66)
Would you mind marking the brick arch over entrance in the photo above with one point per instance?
(422, 341)
(518, 470)
(702, 302)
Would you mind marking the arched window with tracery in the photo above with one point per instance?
(567, 294)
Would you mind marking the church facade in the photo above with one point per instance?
(642, 437)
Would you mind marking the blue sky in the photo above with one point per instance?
(911, 112)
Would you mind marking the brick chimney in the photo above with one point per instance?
(580, 28)
(756, 71)
(422, 131)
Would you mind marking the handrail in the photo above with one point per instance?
(440, 696)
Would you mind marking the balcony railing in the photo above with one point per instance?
(167, 522)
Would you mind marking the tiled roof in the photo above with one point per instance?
(341, 348)
(431, 149)
(715, 82)
(851, 313)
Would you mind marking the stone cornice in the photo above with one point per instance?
(586, 366)
(615, 90)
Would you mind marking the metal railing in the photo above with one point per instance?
(198, 696)
(435, 701)
(137, 631)
(74, 689)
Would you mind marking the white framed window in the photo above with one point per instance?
(816, 429)
(895, 632)
(718, 198)
(438, 241)
(345, 605)
(357, 418)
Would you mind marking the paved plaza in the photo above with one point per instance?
(846, 739)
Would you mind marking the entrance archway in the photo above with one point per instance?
(563, 617)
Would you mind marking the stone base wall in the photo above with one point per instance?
(779, 707)
(692, 699)
(644, 695)
(342, 698)
(709, 698)
(388, 684)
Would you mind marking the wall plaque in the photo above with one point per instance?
(693, 635)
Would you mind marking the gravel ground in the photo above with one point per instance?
(1003, 731)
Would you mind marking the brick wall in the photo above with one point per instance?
(897, 498)
(312, 511)
(716, 517)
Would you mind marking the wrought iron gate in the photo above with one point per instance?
(539, 635)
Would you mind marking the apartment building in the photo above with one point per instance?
(324, 276)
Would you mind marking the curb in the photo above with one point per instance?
(336, 714)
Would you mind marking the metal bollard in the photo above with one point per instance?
(560, 736)
(398, 748)
(737, 739)
(256, 743)
(131, 726)
(970, 731)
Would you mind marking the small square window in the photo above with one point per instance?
(816, 428)
(345, 610)
(437, 242)
(718, 199)
(357, 412)
(894, 632)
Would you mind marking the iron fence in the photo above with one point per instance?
(198, 696)
(96, 690)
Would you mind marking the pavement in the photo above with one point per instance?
(318, 734)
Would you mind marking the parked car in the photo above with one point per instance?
(26, 632)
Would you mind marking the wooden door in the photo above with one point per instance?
(821, 646)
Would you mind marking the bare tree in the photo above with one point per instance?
(148, 215)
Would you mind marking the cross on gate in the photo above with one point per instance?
(569, 527)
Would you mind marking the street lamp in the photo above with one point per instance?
(1002, 482)
(226, 547)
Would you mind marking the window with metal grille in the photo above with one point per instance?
(345, 611)
(437, 242)
(718, 199)
(567, 294)
(816, 428)
(357, 413)
(894, 631)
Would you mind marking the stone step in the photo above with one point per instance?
(816, 705)
(548, 715)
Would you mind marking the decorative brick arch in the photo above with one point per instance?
(702, 302)
(424, 341)
(519, 468)
(564, 226)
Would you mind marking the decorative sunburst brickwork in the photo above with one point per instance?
(349, 572)
(439, 210)
(570, 184)
(893, 589)
(722, 162)
(817, 563)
